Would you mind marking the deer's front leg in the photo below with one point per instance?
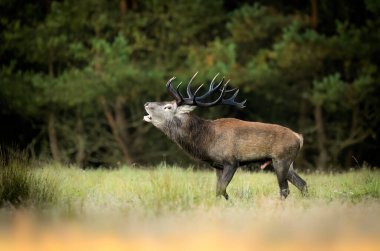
(281, 168)
(219, 172)
(224, 176)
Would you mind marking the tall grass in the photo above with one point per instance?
(169, 189)
(126, 191)
(22, 186)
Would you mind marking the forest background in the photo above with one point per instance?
(74, 75)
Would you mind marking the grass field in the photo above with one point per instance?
(73, 191)
(178, 201)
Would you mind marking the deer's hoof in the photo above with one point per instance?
(226, 196)
(284, 193)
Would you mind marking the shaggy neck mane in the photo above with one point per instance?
(191, 133)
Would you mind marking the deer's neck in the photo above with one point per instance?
(192, 134)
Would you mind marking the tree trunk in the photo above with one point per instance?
(302, 125)
(303, 113)
(134, 4)
(116, 131)
(357, 134)
(323, 156)
(50, 63)
(53, 138)
(349, 158)
(314, 14)
(47, 6)
(121, 121)
(81, 142)
(123, 5)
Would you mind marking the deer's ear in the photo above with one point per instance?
(185, 109)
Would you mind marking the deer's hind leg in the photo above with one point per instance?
(297, 181)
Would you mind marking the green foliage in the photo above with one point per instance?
(372, 5)
(329, 91)
(218, 56)
(256, 27)
(86, 63)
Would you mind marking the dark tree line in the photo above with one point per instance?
(74, 75)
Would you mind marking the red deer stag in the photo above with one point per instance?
(226, 143)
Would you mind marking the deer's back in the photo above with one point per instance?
(244, 140)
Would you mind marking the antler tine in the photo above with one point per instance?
(195, 93)
(179, 92)
(188, 89)
(230, 90)
(212, 89)
(231, 101)
(174, 93)
(170, 81)
(217, 101)
(212, 82)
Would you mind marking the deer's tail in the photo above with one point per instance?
(300, 138)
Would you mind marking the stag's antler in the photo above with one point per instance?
(194, 100)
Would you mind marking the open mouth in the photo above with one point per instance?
(148, 118)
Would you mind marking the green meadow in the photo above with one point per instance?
(70, 191)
